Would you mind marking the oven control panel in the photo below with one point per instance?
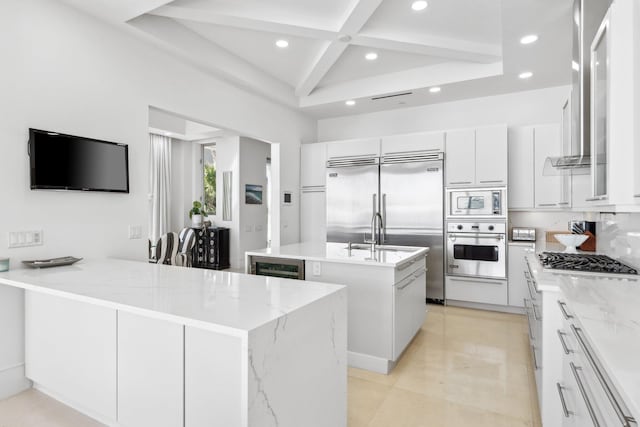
(477, 227)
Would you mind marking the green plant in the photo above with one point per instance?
(197, 209)
(210, 188)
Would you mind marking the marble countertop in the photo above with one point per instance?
(390, 256)
(606, 307)
(216, 300)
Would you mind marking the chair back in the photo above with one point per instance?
(167, 248)
(187, 241)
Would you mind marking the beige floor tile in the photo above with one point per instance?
(365, 397)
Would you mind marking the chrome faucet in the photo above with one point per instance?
(375, 237)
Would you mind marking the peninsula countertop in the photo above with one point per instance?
(390, 256)
(233, 303)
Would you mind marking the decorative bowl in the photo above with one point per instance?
(570, 241)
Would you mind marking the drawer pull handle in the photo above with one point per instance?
(561, 335)
(583, 392)
(563, 309)
(535, 359)
(566, 412)
(622, 412)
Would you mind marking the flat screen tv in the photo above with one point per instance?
(67, 162)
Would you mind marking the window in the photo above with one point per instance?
(209, 174)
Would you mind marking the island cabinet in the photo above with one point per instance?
(155, 345)
(386, 307)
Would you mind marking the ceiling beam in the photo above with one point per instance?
(456, 50)
(356, 18)
(209, 17)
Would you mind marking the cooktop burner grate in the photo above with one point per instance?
(584, 262)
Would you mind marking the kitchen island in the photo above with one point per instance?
(386, 293)
(136, 344)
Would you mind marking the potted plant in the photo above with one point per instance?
(196, 213)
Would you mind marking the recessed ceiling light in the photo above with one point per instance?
(531, 38)
(526, 75)
(282, 44)
(435, 89)
(419, 5)
(350, 103)
(371, 56)
(167, 134)
(575, 65)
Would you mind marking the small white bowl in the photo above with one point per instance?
(570, 241)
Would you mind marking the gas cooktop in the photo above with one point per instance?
(584, 262)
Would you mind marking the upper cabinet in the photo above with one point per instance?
(521, 168)
(477, 157)
(413, 143)
(369, 147)
(491, 156)
(313, 158)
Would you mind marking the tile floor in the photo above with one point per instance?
(465, 367)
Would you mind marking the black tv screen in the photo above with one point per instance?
(66, 162)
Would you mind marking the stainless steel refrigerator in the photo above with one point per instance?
(408, 193)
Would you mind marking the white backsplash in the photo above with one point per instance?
(618, 235)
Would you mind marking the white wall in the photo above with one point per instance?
(253, 218)
(228, 159)
(514, 109)
(63, 70)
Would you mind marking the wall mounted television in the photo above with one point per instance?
(67, 162)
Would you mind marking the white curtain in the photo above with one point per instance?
(159, 186)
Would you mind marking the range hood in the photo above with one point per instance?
(576, 114)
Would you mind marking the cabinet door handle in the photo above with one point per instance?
(492, 181)
(567, 413)
(526, 307)
(561, 335)
(460, 182)
(546, 205)
(583, 392)
(535, 312)
(535, 359)
(563, 309)
(563, 203)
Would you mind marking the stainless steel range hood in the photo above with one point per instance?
(587, 16)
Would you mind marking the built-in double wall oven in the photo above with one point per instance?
(476, 232)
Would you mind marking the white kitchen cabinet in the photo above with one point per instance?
(313, 158)
(483, 291)
(409, 310)
(460, 158)
(477, 157)
(551, 191)
(212, 372)
(313, 215)
(491, 156)
(417, 142)
(521, 168)
(150, 372)
(518, 290)
(369, 147)
(70, 351)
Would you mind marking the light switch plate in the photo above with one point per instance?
(23, 239)
(135, 232)
(316, 268)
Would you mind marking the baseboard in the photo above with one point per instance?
(13, 381)
(369, 363)
(488, 307)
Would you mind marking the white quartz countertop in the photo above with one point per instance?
(390, 256)
(607, 308)
(227, 302)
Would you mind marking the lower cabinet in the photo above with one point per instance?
(53, 332)
(518, 290)
(483, 291)
(409, 310)
(313, 215)
(150, 372)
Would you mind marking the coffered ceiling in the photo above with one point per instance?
(467, 48)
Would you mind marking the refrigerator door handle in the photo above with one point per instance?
(374, 208)
(384, 217)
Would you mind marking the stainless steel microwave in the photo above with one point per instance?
(477, 203)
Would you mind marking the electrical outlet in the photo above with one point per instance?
(258, 227)
(135, 232)
(23, 239)
(316, 268)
